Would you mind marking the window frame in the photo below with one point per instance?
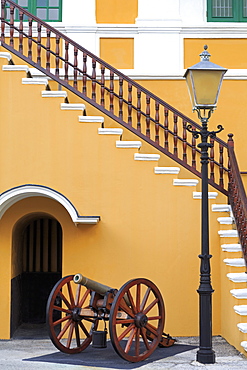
(237, 13)
(32, 8)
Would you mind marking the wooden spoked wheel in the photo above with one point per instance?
(69, 332)
(137, 320)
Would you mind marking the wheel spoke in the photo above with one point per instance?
(124, 321)
(65, 328)
(65, 318)
(150, 306)
(125, 308)
(78, 342)
(125, 332)
(78, 292)
(130, 340)
(84, 298)
(145, 298)
(138, 297)
(65, 300)
(84, 329)
(71, 329)
(57, 308)
(154, 318)
(143, 334)
(152, 329)
(71, 296)
(137, 342)
(132, 302)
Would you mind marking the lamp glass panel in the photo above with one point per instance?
(206, 85)
(190, 88)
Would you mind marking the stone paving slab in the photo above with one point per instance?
(41, 354)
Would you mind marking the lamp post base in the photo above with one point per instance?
(205, 356)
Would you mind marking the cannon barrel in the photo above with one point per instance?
(91, 284)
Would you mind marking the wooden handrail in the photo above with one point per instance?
(113, 93)
(237, 197)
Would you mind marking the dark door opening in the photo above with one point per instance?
(41, 267)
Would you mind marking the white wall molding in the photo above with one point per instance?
(228, 233)
(185, 182)
(239, 293)
(231, 247)
(14, 195)
(234, 262)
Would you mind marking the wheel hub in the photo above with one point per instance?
(140, 320)
(75, 314)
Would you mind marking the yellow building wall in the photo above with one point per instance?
(116, 11)
(144, 230)
(119, 52)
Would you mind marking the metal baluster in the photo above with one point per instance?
(221, 183)
(94, 79)
(157, 122)
(11, 41)
(138, 110)
(184, 141)
(30, 33)
(57, 55)
(111, 91)
(175, 133)
(102, 90)
(48, 46)
(148, 116)
(21, 32)
(75, 68)
(193, 144)
(66, 65)
(166, 123)
(2, 22)
(39, 44)
(211, 159)
(130, 104)
(84, 76)
(121, 98)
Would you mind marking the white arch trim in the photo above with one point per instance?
(11, 196)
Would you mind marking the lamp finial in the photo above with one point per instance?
(205, 55)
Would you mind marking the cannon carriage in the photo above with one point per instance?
(78, 306)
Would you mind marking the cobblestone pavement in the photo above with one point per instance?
(41, 354)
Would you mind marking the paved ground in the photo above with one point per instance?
(30, 354)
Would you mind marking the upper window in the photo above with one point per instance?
(227, 10)
(47, 10)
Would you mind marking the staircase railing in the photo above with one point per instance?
(237, 197)
(109, 90)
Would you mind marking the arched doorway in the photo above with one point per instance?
(36, 265)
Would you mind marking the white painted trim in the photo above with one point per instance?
(228, 233)
(167, 170)
(237, 277)
(211, 195)
(221, 208)
(15, 67)
(72, 106)
(231, 247)
(11, 196)
(235, 262)
(244, 345)
(34, 81)
(185, 182)
(6, 55)
(225, 220)
(53, 94)
(128, 144)
(110, 131)
(242, 327)
(239, 293)
(241, 309)
(146, 157)
(91, 119)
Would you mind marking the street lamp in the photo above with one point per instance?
(204, 81)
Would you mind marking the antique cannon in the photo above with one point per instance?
(77, 306)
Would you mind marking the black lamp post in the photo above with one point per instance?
(204, 81)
